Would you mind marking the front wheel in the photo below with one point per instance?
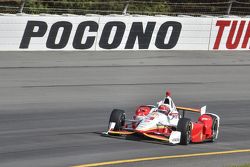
(185, 127)
(117, 116)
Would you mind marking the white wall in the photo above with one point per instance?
(123, 33)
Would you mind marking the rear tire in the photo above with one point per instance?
(118, 116)
(215, 129)
(185, 127)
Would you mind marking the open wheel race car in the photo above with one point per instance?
(165, 123)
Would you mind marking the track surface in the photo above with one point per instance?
(53, 105)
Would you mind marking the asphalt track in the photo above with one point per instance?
(53, 105)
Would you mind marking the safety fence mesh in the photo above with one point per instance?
(141, 7)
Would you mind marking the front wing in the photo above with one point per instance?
(174, 137)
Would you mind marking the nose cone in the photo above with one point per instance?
(147, 124)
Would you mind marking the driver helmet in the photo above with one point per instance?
(164, 108)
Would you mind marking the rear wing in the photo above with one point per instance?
(202, 110)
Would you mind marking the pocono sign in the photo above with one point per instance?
(111, 35)
(116, 33)
(123, 33)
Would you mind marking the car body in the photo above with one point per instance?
(166, 122)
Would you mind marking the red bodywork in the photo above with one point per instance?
(142, 111)
(202, 129)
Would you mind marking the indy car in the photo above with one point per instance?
(166, 122)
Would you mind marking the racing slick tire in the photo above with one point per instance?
(215, 128)
(185, 126)
(118, 116)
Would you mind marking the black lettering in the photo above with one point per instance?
(29, 32)
(144, 38)
(51, 41)
(161, 35)
(106, 35)
(93, 27)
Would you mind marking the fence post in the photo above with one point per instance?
(230, 6)
(20, 9)
(125, 8)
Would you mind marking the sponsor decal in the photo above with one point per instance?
(236, 29)
(205, 119)
(175, 140)
(110, 36)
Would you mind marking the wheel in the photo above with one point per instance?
(215, 129)
(185, 126)
(117, 116)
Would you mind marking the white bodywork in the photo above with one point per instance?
(175, 137)
(156, 118)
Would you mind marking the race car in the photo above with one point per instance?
(166, 122)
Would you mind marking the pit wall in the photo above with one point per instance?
(42, 33)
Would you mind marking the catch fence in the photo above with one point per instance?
(149, 7)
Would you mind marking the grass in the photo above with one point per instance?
(243, 165)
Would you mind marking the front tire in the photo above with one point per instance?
(118, 116)
(185, 127)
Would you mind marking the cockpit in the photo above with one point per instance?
(163, 109)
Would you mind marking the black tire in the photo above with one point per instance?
(215, 129)
(185, 127)
(118, 116)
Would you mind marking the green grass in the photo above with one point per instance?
(243, 165)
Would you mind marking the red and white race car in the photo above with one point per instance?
(165, 122)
